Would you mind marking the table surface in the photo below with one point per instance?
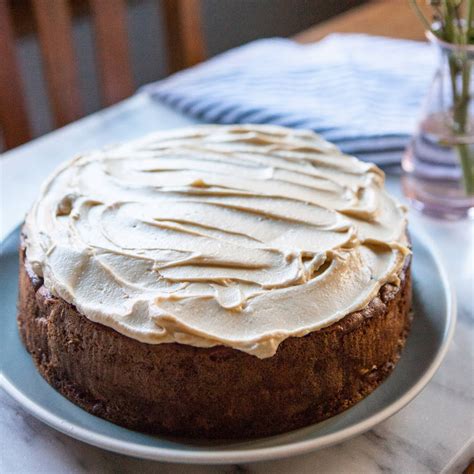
(434, 433)
(393, 18)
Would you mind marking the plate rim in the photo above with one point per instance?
(284, 450)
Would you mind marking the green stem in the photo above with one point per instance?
(454, 30)
(453, 72)
(420, 15)
(448, 15)
(470, 13)
(467, 165)
(460, 116)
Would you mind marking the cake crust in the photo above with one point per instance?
(216, 392)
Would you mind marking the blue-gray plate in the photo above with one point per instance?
(432, 329)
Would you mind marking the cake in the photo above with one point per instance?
(215, 281)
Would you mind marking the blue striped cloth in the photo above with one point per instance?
(361, 92)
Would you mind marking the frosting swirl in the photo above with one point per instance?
(217, 235)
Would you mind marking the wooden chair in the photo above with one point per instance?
(53, 23)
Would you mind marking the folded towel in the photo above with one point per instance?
(361, 92)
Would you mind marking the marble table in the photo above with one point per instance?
(434, 433)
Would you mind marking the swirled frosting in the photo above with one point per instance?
(217, 235)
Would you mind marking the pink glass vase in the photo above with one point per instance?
(438, 165)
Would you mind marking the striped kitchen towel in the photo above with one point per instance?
(361, 92)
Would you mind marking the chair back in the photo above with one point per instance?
(54, 28)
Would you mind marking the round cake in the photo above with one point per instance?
(215, 281)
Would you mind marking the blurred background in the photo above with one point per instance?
(154, 31)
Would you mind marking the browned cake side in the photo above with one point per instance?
(215, 392)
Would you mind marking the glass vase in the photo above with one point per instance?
(438, 164)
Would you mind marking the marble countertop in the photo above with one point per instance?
(434, 433)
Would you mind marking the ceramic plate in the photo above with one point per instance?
(433, 326)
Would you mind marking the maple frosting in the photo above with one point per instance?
(217, 235)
